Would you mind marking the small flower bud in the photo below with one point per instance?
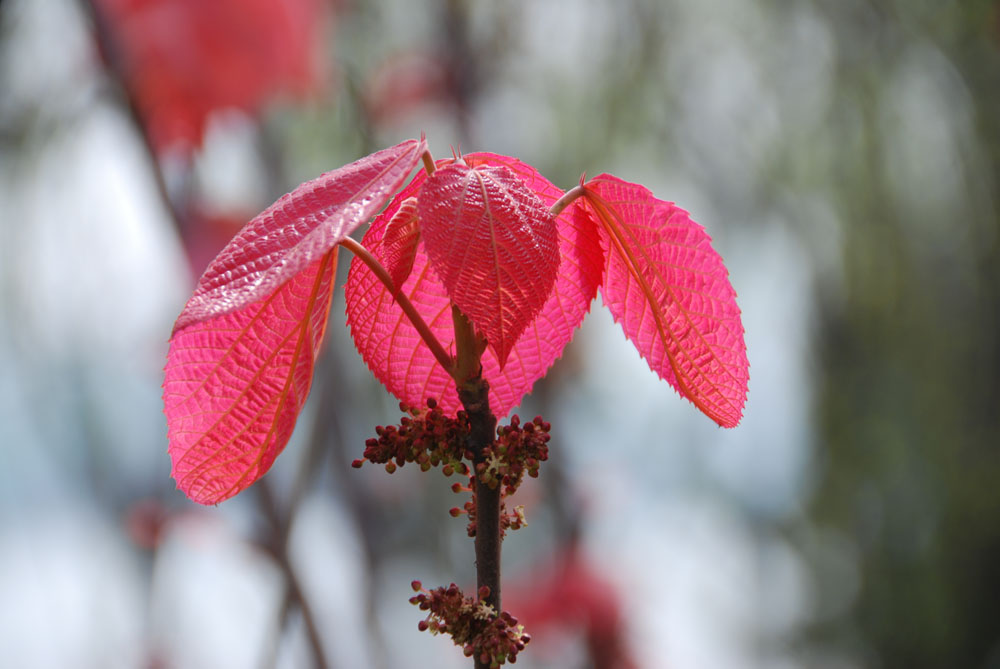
(416, 585)
(357, 464)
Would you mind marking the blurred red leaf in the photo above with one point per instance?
(145, 520)
(571, 593)
(204, 235)
(183, 59)
(405, 83)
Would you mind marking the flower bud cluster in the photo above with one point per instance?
(517, 451)
(472, 623)
(509, 520)
(430, 438)
(426, 437)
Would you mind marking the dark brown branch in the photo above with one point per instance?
(473, 391)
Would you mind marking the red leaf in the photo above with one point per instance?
(241, 356)
(297, 230)
(235, 384)
(671, 294)
(493, 244)
(399, 358)
(402, 235)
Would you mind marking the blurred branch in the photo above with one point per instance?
(110, 54)
(276, 544)
(355, 496)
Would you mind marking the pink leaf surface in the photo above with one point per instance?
(669, 290)
(493, 244)
(402, 235)
(298, 230)
(404, 364)
(235, 384)
(242, 352)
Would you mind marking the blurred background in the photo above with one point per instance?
(845, 157)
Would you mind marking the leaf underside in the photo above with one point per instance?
(236, 383)
(398, 357)
(402, 234)
(298, 230)
(670, 291)
(242, 352)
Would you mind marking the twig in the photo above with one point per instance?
(473, 391)
(277, 545)
(404, 302)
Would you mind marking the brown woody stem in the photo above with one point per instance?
(469, 347)
(404, 302)
(473, 391)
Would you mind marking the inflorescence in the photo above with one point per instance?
(473, 624)
(429, 437)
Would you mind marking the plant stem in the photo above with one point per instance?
(428, 159)
(568, 196)
(473, 391)
(404, 302)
